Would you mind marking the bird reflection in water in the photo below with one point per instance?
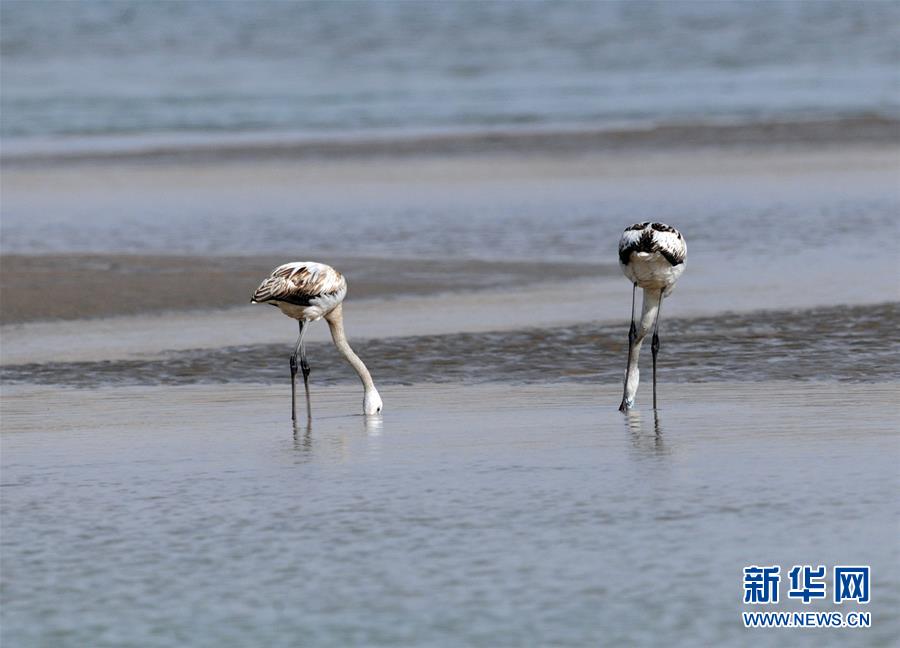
(373, 428)
(374, 425)
(642, 438)
(303, 435)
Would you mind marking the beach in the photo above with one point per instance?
(539, 254)
(469, 168)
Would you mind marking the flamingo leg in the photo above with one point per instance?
(654, 347)
(632, 336)
(299, 348)
(304, 367)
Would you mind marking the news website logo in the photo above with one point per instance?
(850, 584)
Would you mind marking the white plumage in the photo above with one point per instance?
(307, 291)
(652, 257)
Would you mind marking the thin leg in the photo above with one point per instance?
(293, 387)
(298, 348)
(654, 347)
(304, 367)
(632, 336)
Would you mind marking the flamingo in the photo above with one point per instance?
(308, 291)
(652, 256)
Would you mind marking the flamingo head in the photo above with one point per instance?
(372, 402)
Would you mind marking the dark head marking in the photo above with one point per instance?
(672, 258)
(646, 243)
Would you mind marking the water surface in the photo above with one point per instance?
(99, 68)
(539, 514)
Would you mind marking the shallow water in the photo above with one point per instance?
(844, 343)
(465, 516)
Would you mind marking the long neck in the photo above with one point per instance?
(649, 309)
(335, 320)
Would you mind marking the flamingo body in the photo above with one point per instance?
(303, 290)
(652, 257)
(308, 291)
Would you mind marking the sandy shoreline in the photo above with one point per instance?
(578, 140)
(47, 184)
(604, 298)
(116, 306)
(549, 306)
(705, 291)
(67, 285)
(87, 286)
(838, 343)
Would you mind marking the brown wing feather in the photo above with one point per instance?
(298, 284)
